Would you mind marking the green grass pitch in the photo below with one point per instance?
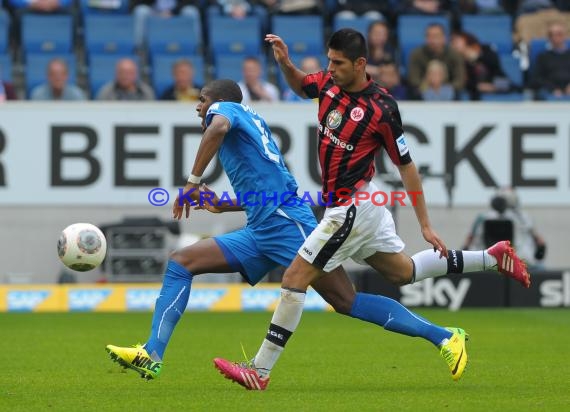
(519, 361)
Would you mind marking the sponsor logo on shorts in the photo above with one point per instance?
(307, 251)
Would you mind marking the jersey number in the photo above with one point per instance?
(265, 141)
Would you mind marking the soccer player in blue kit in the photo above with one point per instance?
(272, 236)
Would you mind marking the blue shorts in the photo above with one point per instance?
(254, 251)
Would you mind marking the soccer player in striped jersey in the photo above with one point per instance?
(357, 117)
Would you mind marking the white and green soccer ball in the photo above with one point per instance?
(82, 247)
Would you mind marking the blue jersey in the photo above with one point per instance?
(252, 161)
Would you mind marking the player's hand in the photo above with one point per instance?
(280, 49)
(431, 237)
(210, 202)
(180, 206)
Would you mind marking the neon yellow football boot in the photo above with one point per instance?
(135, 358)
(455, 353)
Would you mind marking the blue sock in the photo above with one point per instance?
(395, 317)
(170, 305)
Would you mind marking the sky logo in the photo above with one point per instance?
(141, 299)
(204, 299)
(260, 299)
(26, 300)
(87, 299)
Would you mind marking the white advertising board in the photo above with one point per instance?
(114, 153)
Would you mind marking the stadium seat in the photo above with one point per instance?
(411, 32)
(4, 30)
(162, 71)
(230, 67)
(303, 34)
(47, 33)
(36, 68)
(494, 30)
(176, 35)
(360, 23)
(234, 36)
(552, 98)
(109, 34)
(512, 68)
(6, 68)
(102, 69)
(502, 97)
(103, 7)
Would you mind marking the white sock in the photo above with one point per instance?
(428, 264)
(285, 320)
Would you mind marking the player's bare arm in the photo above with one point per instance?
(211, 142)
(292, 74)
(413, 183)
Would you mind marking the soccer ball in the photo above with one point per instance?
(82, 247)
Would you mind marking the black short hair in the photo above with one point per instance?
(349, 42)
(224, 89)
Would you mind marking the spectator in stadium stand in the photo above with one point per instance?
(551, 74)
(380, 51)
(126, 85)
(483, 70)
(423, 7)
(239, 9)
(183, 88)
(252, 85)
(435, 48)
(309, 64)
(7, 91)
(20, 7)
(142, 9)
(389, 77)
(57, 86)
(370, 9)
(480, 7)
(293, 6)
(435, 85)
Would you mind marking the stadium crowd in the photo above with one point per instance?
(431, 50)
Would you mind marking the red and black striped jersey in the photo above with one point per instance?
(352, 127)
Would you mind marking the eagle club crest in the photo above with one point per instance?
(357, 114)
(334, 119)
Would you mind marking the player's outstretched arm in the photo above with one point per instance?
(209, 145)
(292, 74)
(413, 184)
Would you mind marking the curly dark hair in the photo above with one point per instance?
(224, 89)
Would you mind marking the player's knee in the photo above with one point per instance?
(181, 258)
(296, 279)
